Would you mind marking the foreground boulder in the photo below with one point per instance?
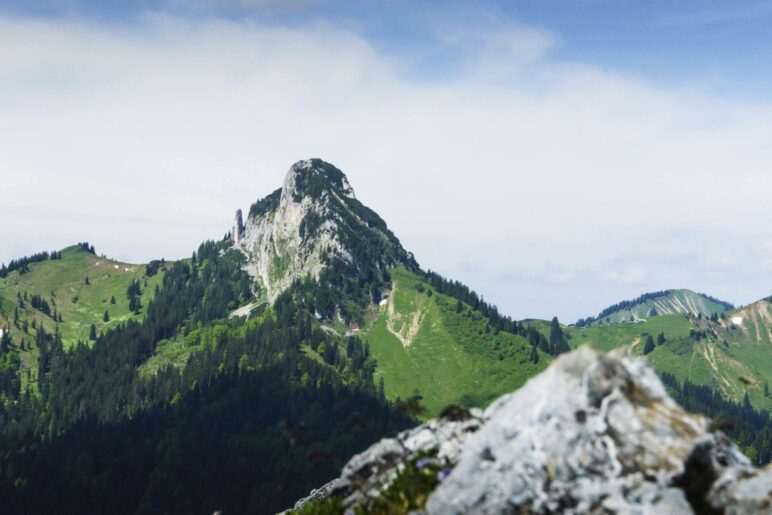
(594, 433)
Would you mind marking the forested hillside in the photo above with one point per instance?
(245, 424)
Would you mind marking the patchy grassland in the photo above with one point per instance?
(731, 358)
(62, 284)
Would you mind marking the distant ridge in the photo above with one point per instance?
(658, 303)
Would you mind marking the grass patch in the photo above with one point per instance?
(447, 357)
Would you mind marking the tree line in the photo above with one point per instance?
(22, 264)
(751, 429)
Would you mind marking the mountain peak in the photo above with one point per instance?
(313, 224)
(312, 178)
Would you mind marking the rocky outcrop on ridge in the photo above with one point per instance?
(313, 220)
(594, 433)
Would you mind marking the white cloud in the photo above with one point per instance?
(166, 126)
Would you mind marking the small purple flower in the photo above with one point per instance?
(442, 474)
(423, 462)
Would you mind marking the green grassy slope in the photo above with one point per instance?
(62, 284)
(423, 345)
(732, 358)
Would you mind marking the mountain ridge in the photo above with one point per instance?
(336, 317)
(662, 302)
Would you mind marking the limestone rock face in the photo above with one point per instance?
(368, 473)
(237, 232)
(594, 433)
(311, 220)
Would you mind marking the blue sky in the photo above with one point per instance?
(555, 156)
(721, 43)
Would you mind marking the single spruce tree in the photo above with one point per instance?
(557, 342)
(92, 333)
(534, 354)
(106, 317)
(649, 345)
(5, 343)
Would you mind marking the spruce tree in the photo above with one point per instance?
(557, 342)
(381, 390)
(661, 338)
(106, 317)
(555, 333)
(5, 342)
(92, 335)
(649, 345)
(112, 299)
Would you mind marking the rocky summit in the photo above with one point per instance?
(311, 223)
(594, 433)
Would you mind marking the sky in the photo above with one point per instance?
(556, 156)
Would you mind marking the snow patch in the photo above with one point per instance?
(737, 320)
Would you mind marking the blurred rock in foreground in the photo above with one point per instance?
(594, 433)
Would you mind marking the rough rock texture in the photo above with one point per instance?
(314, 215)
(368, 473)
(594, 433)
(237, 232)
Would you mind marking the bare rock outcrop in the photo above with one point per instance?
(311, 221)
(594, 433)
